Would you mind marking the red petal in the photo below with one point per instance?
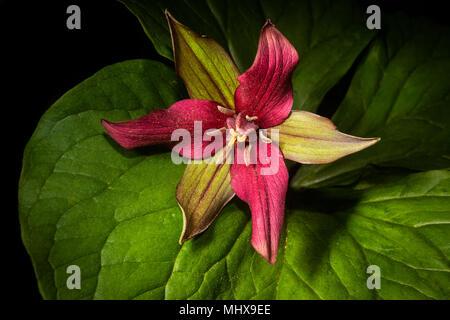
(157, 126)
(265, 194)
(266, 88)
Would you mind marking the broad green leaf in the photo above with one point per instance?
(328, 35)
(85, 201)
(329, 243)
(206, 69)
(77, 185)
(400, 92)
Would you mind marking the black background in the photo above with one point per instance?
(41, 59)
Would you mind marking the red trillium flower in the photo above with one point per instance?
(244, 106)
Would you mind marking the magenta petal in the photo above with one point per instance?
(157, 126)
(265, 195)
(265, 89)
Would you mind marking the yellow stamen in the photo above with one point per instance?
(241, 138)
(251, 118)
(233, 138)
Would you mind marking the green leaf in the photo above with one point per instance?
(400, 92)
(151, 15)
(85, 201)
(77, 185)
(328, 35)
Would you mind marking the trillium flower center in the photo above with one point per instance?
(242, 127)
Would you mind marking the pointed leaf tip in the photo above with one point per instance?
(308, 138)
